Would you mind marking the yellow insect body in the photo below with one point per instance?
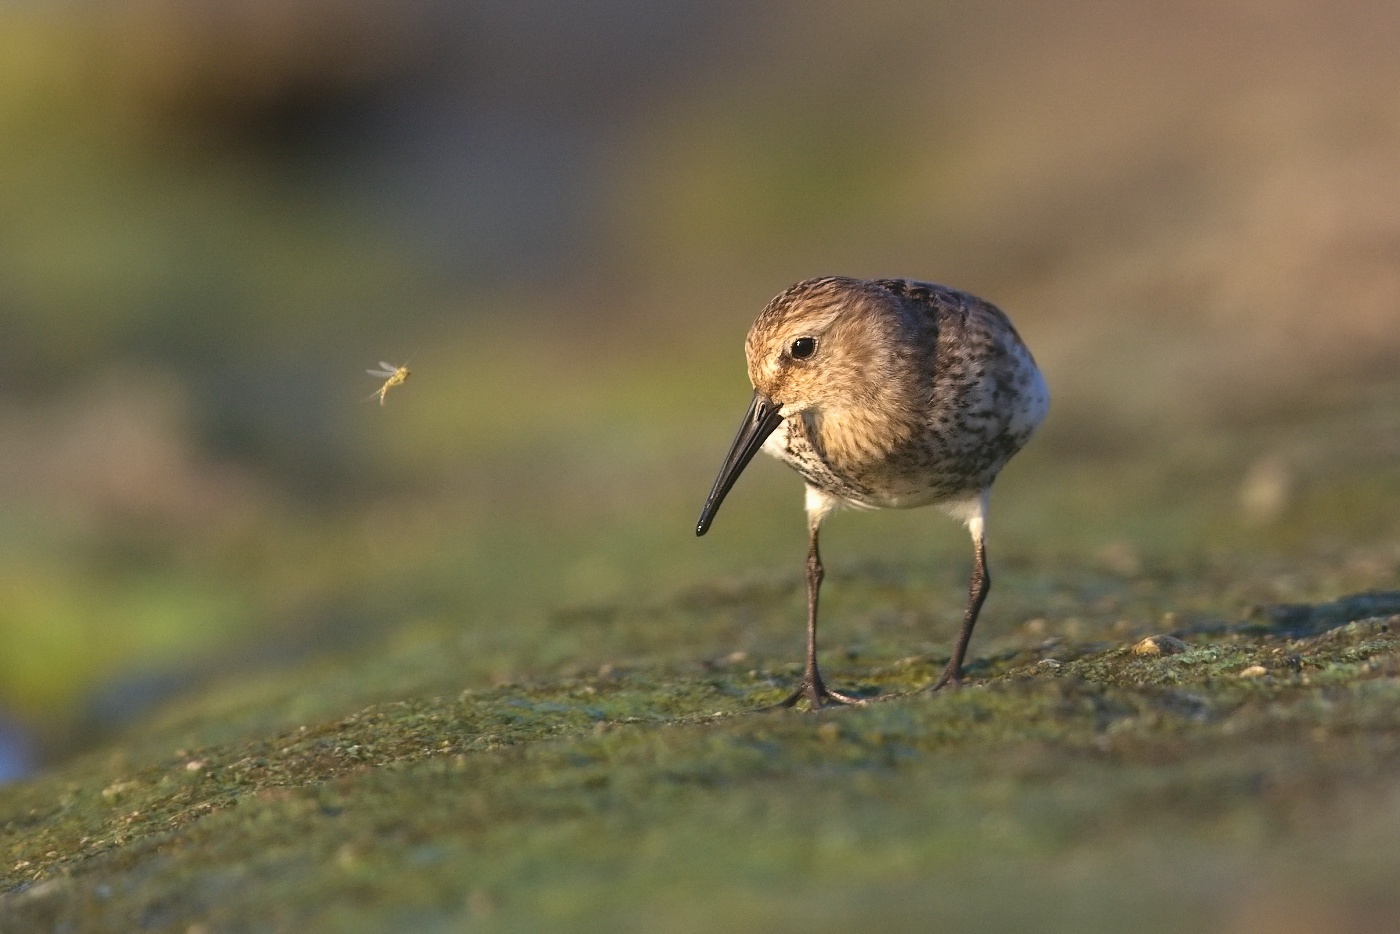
(392, 376)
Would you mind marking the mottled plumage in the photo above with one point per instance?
(886, 393)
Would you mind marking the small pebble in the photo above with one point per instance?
(1254, 671)
(1122, 558)
(194, 765)
(116, 790)
(480, 903)
(1160, 645)
(1051, 663)
(347, 857)
(1267, 490)
(40, 890)
(736, 658)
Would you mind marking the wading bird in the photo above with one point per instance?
(885, 393)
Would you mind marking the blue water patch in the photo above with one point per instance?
(16, 751)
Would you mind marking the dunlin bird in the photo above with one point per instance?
(885, 393)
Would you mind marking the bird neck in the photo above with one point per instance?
(853, 435)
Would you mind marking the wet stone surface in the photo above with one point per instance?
(1252, 744)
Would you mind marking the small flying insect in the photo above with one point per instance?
(392, 376)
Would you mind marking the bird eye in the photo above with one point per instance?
(802, 348)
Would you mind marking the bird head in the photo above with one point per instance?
(824, 344)
(824, 347)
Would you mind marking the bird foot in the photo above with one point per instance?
(951, 678)
(817, 694)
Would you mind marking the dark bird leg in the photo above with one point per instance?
(812, 687)
(977, 588)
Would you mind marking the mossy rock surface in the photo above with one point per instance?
(1072, 784)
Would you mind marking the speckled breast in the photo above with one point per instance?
(890, 484)
(971, 430)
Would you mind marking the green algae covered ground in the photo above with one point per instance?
(1250, 782)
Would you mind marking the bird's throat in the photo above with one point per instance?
(852, 439)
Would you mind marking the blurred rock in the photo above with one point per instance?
(1160, 645)
(1123, 559)
(1266, 490)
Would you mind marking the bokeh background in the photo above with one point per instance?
(563, 216)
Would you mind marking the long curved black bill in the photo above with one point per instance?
(759, 421)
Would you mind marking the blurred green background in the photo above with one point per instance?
(564, 215)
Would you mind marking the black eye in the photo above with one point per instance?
(802, 348)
